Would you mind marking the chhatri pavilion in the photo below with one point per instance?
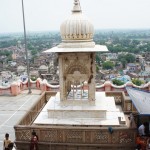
(78, 103)
(78, 117)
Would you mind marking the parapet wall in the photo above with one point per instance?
(16, 87)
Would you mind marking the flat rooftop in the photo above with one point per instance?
(12, 109)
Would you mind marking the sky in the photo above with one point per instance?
(47, 15)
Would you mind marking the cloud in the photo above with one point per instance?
(49, 14)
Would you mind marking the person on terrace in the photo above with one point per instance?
(141, 129)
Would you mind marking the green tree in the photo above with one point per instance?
(135, 42)
(123, 62)
(33, 78)
(30, 46)
(124, 59)
(130, 58)
(121, 56)
(9, 58)
(108, 65)
(98, 59)
(117, 82)
(137, 82)
(97, 68)
(33, 52)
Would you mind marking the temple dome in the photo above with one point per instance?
(77, 26)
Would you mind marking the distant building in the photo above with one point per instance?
(21, 69)
(147, 56)
(131, 67)
(111, 56)
(43, 69)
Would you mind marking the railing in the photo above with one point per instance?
(34, 111)
(123, 100)
(93, 136)
(118, 96)
(44, 86)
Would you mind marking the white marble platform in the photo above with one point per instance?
(65, 114)
(101, 112)
(74, 108)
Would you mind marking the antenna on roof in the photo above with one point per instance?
(25, 42)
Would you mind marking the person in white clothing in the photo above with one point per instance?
(141, 130)
(7, 141)
(131, 120)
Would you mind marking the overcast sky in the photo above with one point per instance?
(46, 15)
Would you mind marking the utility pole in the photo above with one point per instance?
(25, 42)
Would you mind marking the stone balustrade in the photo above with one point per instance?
(16, 87)
(73, 137)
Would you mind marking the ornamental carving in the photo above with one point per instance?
(74, 136)
(60, 136)
(115, 137)
(129, 106)
(117, 99)
(125, 137)
(88, 137)
(76, 66)
(50, 135)
(77, 36)
(101, 137)
(24, 135)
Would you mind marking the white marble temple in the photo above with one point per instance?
(76, 57)
(102, 112)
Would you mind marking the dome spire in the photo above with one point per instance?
(77, 7)
(77, 27)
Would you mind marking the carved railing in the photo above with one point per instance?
(118, 96)
(122, 99)
(128, 105)
(87, 136)
(36, 108)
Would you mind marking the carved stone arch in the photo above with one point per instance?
(76, 67)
